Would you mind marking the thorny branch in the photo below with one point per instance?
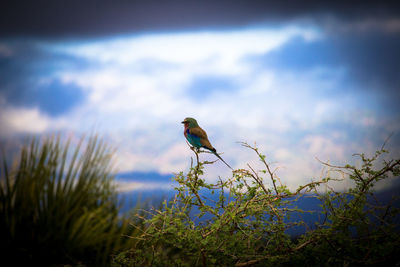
(253, 214)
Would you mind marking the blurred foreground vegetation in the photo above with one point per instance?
(60, 207)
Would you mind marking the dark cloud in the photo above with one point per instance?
(298, 54)
(48, 18)
(53, 98)
(374, 59)
(370, 58)
(26, 79)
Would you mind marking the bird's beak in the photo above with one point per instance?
(183, 121)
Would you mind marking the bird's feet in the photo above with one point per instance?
(195, 149)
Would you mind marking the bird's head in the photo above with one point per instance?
(190, 122)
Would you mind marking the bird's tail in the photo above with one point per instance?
(216, 154)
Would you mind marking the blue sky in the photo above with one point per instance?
(312, 86)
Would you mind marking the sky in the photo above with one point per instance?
(302, 80)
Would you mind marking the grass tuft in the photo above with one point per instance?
(58, 205)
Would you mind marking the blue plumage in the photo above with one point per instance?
(193, 139)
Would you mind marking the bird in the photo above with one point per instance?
(197, 137)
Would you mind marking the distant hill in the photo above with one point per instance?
(144, 176)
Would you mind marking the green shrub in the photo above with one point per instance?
(60, 208)
(248, 223)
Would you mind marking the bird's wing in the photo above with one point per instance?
(197, 131)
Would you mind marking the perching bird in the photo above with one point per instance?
(197, 137)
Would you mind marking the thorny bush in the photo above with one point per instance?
(247, 223)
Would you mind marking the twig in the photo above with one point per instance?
(271, 174)
(386, 140)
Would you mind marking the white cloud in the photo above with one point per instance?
(136, 100)
(323, 146)
(128, 186)
(23, 120)
(138, 91)
(267, 107)
(221, 48)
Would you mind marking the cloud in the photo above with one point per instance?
(14, 121)
(368, 59)
(142, 181)
(288, 88)
(368, 24)
(28, 78)
(133, 102)
(5, 51)
(51, 97)
(127, 186)
(219, 49)
(70, 18)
